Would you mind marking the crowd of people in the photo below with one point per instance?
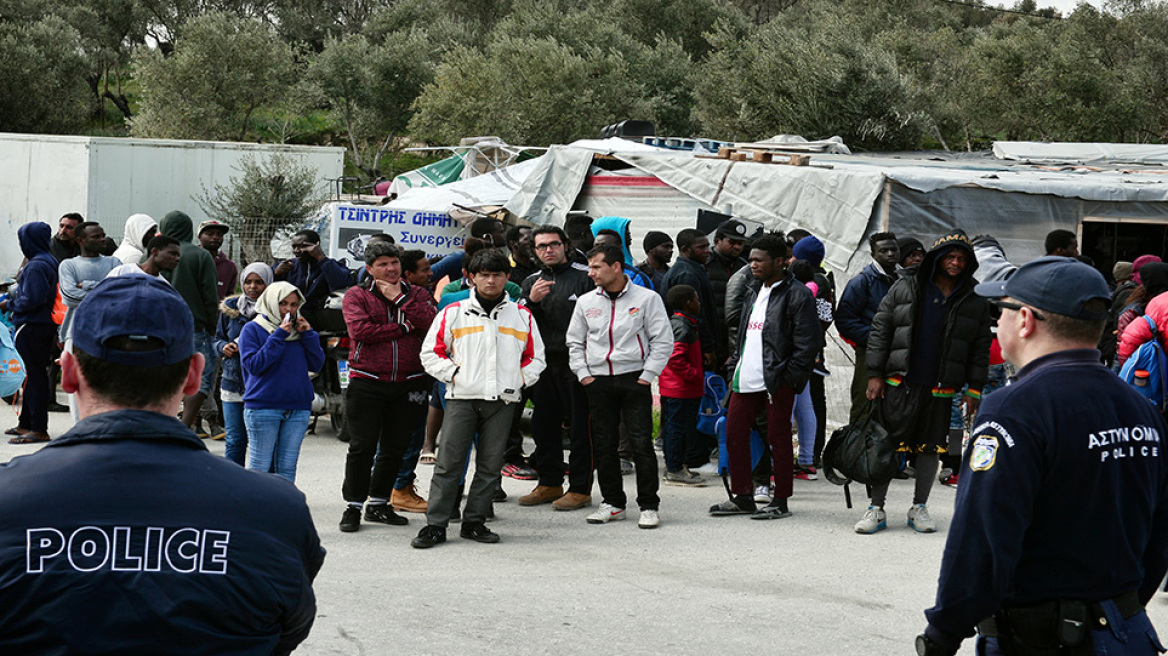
(594, 331)
(564, 319)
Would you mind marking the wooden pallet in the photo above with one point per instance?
(761, 155)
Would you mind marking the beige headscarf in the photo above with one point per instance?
(268, 307)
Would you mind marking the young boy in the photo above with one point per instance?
(682, 384)
(486, 349)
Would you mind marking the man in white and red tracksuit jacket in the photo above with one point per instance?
(618, 342)
(386, 318)
(486, 349)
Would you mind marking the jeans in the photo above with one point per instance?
(859, 385)
(35, 342)
(275, 437)
(409, 464)
(205, 344)
(491, 420)
(236, 429)
(611, 400)
(558, 393)
(679, 430)
(382, 418)
(744, 408)
(804, 415)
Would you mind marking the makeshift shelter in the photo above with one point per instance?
(1119, 210)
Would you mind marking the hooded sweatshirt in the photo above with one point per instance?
(131, 250)
(195, 277)
(32, 302)
(621, 227)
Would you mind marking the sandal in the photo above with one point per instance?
(17, 430)
(428, 458)
(30, 438)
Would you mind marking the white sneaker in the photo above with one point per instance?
(606, 513)
(649, 519)
(872, 521)
(708, 469)
(762, 494)
(919, 520)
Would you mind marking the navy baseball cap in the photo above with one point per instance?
(1062, 285)
(138, 307)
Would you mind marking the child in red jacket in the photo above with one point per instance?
(682, 384)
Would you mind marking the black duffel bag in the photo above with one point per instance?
(861, 452)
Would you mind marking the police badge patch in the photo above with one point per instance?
(984, 453)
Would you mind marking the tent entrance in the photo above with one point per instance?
(1108, 240)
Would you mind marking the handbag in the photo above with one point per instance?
(861, 452)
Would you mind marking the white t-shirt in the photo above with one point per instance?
(130, 270)
(749, 376)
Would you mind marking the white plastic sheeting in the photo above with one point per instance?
(1081, 153)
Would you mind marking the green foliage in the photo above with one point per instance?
(789, 79)
(375, 75)
(267, 197)
(370, 88)
(42, 85)
(223, 69)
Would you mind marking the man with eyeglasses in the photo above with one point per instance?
(1060, 532)
(551, 295)
(930, 338)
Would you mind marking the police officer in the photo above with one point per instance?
(110, 542)
(1060, 533)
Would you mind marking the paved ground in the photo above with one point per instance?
(556, 585)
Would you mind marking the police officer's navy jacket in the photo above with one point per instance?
(1064, 495)
(125, 535)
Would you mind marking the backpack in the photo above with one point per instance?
(11, 365)
(1149, 360)
(712, 408)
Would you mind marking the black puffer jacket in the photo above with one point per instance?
(965, 346)
(791, 334)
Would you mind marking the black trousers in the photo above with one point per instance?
(611, 399)
(35, 342)
(381, 418)
(557, 393)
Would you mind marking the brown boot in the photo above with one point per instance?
(407, 500)
(572, 501)
(541, 494)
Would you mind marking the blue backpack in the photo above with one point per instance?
(11, 364)
(713, 404)
(1149, 358)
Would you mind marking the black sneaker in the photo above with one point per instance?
(428, 537)
(499, 496)
(351, 520)
(478, 533)
(742, 504)
(384, 514)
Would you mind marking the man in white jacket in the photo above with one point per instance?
(619, 340)
(486, 349)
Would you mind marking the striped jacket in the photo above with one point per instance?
(480, 355)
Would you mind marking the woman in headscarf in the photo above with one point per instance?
(278, 349)
(234, 313)
(140, 228)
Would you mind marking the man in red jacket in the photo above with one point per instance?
(387, 319)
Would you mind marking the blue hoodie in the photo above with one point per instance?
(621, 226)
(37, 289)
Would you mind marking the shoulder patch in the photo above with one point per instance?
(984, 453)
